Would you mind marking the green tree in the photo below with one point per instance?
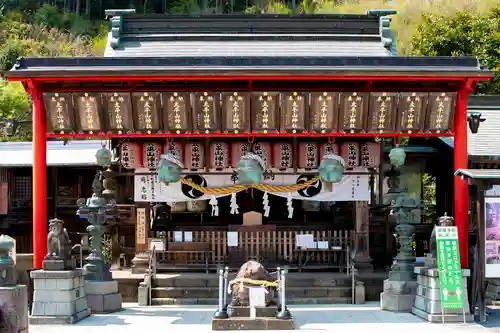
(468, 33)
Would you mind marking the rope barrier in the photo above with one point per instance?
(240, 187)
(255, 282)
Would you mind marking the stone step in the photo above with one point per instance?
(214, 282)
(248, 324)
(214, 301)
(213, 292)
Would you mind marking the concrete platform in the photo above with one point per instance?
(308, 319)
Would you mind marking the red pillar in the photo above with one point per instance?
(461, 161)
(39, 178)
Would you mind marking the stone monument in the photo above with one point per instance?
(59, 293)
(13, 297)
(254, 305)
(428, 299)
(102, 291)
(400, 287)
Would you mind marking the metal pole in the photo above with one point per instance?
(221, 313)
(226, 283)
(283, 313)
(278, 272)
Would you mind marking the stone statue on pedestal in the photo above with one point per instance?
(58, 256)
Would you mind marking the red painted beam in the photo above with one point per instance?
(243, 135)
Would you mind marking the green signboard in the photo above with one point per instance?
(450, 272)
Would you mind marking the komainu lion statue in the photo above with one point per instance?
(251, 274)
(58, 243)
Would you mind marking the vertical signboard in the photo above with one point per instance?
(492, 234)
(450, 273)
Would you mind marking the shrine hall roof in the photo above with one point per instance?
(238, 35)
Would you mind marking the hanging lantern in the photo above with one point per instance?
(370, 154)
(265, 110)
(263, 150)
(331, 168)
(206, 112)
(382, 112)
(397, 157)
(169, 169)
(103, 156)
(235, 112)
(174, 148)
(353, 112)
(238, 150)
(130, 155)
(219, 155)
(176, 112)
(308, 155)
(412, 108)
(440, 113)
(350, 154)
(194, 156)
(282, 155)
(324, 112)
(250, 169)
(328, 148)
(151, 154)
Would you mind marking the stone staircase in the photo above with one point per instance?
(302, 288)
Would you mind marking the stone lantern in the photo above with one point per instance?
(7, 269)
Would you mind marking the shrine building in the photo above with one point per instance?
(209, 93)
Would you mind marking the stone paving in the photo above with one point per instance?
(309, 318)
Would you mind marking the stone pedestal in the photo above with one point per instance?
(239, 320)
(140, 263)
(398, 296)
(493, 292)
(59, 297)
(428, 299)
(14, 309)
(103, 296)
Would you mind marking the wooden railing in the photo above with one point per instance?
(264, 245)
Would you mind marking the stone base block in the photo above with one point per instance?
(58, 264)
(438, 318)
(59, 320)
(14, 309)
(396, 302)
(248, 324)
(103, 296)
(59, 297)
(360, 293)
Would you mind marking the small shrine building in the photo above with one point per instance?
(212, 89)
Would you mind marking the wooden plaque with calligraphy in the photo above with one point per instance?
(147, 111)
(353, 112)
(88, 112)
(294, 107)
(324, 112)
(265, 107)
(177, 112)
(206, 112)
(440, 112)
(382, 112)
(235, 112)
(118, 112)
(60, 112)
(412, 107)
(141, 229)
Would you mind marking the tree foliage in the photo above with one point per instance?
(464, 34)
